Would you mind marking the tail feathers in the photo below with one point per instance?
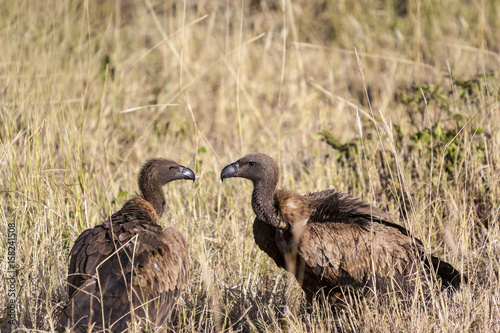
(450, 277)
(84, 311)
(113, 311)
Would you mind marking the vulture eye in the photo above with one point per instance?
(251, 163)
(171, 168)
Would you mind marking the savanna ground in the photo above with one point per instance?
(395, 101)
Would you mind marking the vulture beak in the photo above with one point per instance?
(187, 173)
(230, 171)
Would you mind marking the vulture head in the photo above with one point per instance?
(156, 173)
(257, 167)
(263, 172)
(160, 171)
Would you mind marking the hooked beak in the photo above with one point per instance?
(187, 173)
(230, 171)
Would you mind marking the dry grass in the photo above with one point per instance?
(89, 91)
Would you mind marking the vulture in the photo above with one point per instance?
(333, 242)
(128, 270)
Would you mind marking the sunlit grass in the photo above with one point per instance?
(90, 91)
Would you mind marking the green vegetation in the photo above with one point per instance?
(394, 101)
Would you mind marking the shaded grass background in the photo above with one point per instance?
(91, 89)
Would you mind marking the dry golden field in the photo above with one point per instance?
(395, 101)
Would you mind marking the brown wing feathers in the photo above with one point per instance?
(337, 240)
(128, 269)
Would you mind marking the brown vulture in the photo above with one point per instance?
(330, 240)
(128, 270)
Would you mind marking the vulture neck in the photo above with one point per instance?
(263, 202)
(153, 193)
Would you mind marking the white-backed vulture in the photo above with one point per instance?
(128, 270)
(330, 240)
